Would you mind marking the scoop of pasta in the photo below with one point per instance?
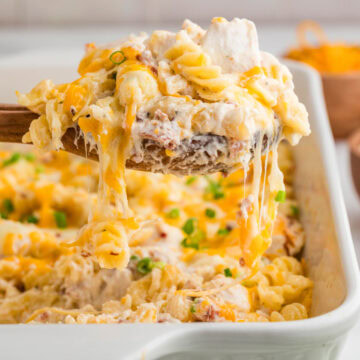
(192, 102)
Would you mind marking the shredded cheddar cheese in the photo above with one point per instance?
(326, 57)
(50, 274)
(169, 88)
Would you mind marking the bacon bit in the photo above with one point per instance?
(211, 313)
(139, 118)
(160, 115)
(242, 261)
(44, 316)
(154, 70)
(164, 137)
(85, 253)
(58, 235)
(163, 235)
(147, 59)
(114, 253)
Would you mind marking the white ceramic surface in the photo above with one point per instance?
(329, 252)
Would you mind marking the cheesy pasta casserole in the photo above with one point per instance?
(185, 263)
(155, 247)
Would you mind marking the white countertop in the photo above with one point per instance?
(44, 46)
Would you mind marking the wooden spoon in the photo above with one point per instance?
(200, 154)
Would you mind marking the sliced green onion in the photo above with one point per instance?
(193, 241)
(189, 226)
(29, 157)
(210, 213)
(134, 257)
(158, 264)
(39, 169)
(223, 232)
(3, 216)
(14, 158)
(8, 206)
(280, 196)
(60, 219)
(214, 188)
(118, 62)
(143, 266)
(173, 213)
(227, 272)
(192, 308)
(295, 211)
(187, 243)
(32, 219)
(190, 180)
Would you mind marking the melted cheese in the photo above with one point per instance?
(224, 85)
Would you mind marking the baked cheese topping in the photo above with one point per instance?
(172, 86)
(185, 263)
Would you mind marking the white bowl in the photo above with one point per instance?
(329, 254)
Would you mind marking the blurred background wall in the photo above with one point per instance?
(49, 27)
(84, 12)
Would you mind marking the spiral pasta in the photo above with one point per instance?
(191, 62)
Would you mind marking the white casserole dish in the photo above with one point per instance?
(329, 253)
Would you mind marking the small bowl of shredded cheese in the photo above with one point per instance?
(339, 66)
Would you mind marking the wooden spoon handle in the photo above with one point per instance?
(15, 123)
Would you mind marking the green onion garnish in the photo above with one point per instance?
(189, 226)
(280, 196)
(223, 232)
(145, 265)
(39, 169)
(173, 213)
(192, 308)
(118, 62)
(3, 216)
(60, 219)
(214, 188)
(32, 219)
(295, 211)
(14, 158)
(158, 264)
(210, 213)
(8, 206)
(29, 157)
(134, 257)
(193, 241)
(227, 272)
(187, 243)
(190, 180)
